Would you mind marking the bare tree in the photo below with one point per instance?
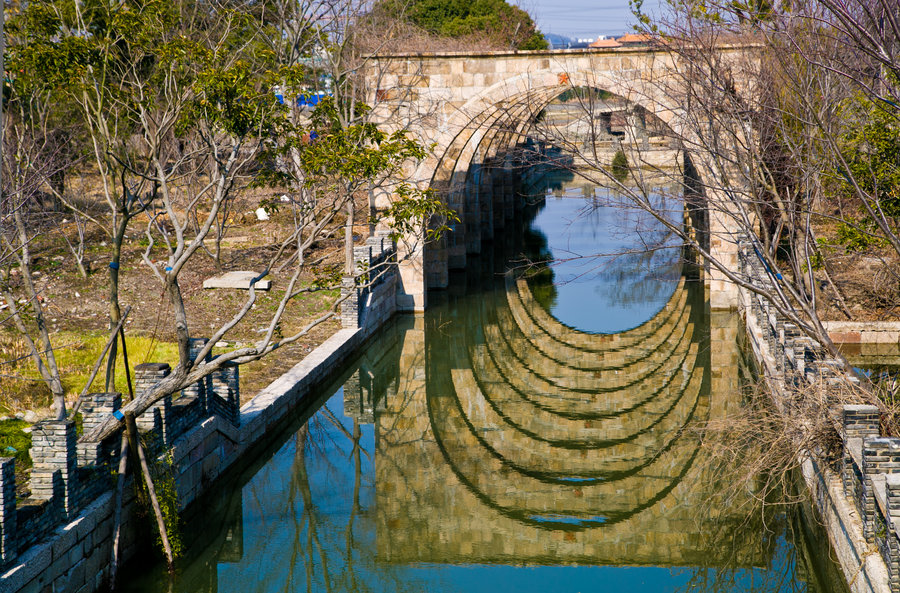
(27, 161)
(220, 132)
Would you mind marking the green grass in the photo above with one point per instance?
(76, 353)
(14, 442)
(78, 360)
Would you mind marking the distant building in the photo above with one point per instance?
(555, 41)
(631, 39)
(603, 42)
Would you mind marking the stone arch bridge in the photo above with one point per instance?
(475, 108)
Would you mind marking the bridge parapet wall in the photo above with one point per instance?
(858, 495)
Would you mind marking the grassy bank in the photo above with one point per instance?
(76, 353)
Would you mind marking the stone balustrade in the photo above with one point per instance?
(69, 474)
(870, 462)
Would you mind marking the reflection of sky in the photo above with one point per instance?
(627, 284)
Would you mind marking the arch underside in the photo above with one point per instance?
(475, 167)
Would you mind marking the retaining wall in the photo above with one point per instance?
(60, 538)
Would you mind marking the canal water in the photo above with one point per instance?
(536, 430)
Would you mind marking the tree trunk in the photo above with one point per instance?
(117, 511)
(348, 240)
(133, 437)
(115, 313)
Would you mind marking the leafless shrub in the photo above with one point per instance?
(886, 284)
(759, 447)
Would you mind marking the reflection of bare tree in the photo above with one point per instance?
(627, 256)
(355, 511)
(333, 556)
(312, 544)
(798, 564)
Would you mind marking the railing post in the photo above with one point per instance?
(54, 473)
(95, 408)
(860, 421)
(350, 304)
(148, 374)
(881, 455)
(158, 416)
(790, 334)
(892, 488)
(201, 388)
(226, 386)
(7, 510)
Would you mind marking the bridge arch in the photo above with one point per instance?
(474, 108)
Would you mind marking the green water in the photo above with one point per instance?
(521, 436)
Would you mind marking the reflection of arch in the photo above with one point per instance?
(541, 423)
(551, 505)
(518, 355)
(619, 454)
(524, 439)
(594, 351)
(573, 403)
(599, 343)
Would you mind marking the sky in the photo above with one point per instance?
(583, 18)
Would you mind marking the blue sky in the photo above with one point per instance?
(583, 18)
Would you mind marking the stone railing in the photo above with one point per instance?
(68, 473)
(870, 463)
(370, 297)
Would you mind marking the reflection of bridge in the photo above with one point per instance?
(467, 471)
(476, 110)
(518, 439)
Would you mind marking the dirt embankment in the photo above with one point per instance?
(77, 309)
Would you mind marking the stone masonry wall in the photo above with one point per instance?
(371, 297)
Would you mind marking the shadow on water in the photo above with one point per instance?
(490, 446)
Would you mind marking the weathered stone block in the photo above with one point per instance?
(860, 421)
(54, 473)
(892, 488)
(200, 389)
(97, 406)
(237, 280)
